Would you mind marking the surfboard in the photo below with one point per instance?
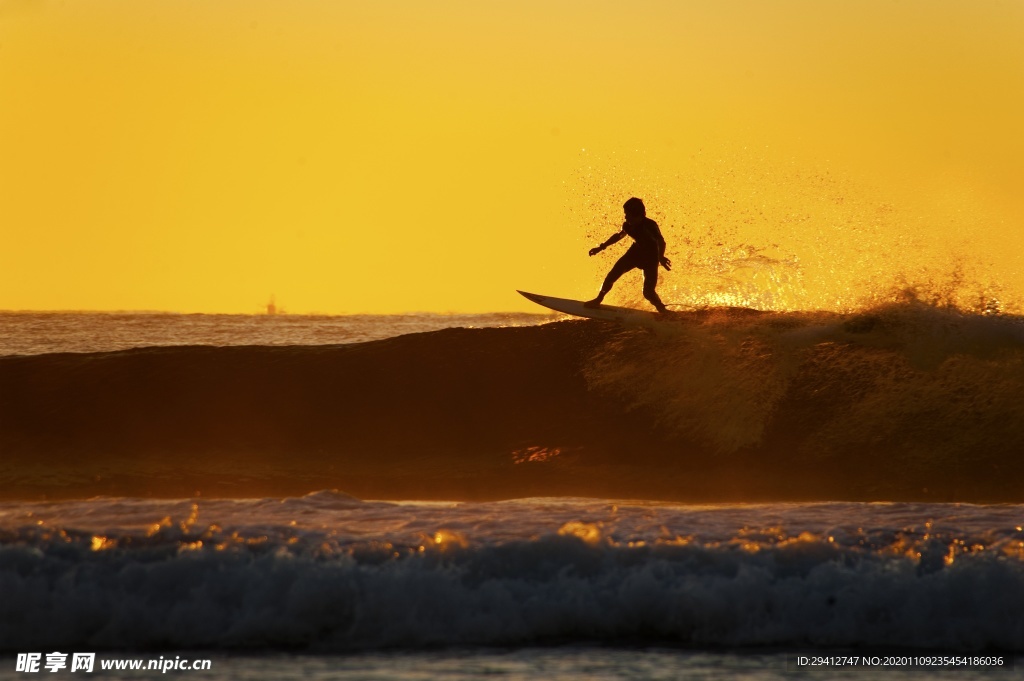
(623, 315)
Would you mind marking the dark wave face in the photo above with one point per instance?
(905, 402)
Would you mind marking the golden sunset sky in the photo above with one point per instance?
(435, 156)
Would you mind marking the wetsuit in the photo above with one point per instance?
(647, 250)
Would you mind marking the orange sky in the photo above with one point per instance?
(408, 156)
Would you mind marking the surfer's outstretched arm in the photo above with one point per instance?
(614, 238)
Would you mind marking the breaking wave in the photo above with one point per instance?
(902, 401)
(349, 575)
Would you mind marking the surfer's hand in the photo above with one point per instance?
(595, 250)
(666, 263)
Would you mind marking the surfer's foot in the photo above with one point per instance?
(595, 303)
(662, 309)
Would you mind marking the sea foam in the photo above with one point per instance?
(349, 575)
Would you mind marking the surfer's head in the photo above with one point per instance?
(634, 209)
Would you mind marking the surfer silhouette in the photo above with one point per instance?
(646, 253)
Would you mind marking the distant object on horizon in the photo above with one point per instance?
(272, 307)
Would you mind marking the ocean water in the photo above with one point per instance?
(328, 585)
(396, 507)
(332, 573)
(33, 333)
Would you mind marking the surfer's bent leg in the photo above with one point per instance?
(650, 283)
(621, 266)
